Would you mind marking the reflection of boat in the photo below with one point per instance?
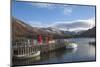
(34, 54)
(71, 45)
(28, 61)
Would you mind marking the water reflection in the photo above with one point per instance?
(25, 61)
(84, 52)
(44, 57)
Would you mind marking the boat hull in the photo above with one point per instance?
(35, 54)
(71, 46)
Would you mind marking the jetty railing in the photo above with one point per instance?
(27, 48)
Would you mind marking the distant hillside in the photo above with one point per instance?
(89, 33)
(20, 29)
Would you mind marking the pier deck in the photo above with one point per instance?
(33, 48)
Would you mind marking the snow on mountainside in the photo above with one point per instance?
(19, 28)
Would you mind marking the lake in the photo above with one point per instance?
(84, 52)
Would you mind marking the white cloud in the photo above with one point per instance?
(36, 24)
(90, 22)
(78, 29)
(44, 5)
(75, 25)
(67, 11)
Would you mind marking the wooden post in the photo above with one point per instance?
(47, 39)
(18, 49)
(28, 50)
(25, 49)
(32, 42)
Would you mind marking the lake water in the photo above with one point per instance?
(84, 52)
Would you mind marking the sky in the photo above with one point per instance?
(61, 16)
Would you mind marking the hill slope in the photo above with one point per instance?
(89, 33)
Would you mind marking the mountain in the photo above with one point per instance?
(21, 29)
(89, 33)
(73, 26)
(70, 32)
(52, 30)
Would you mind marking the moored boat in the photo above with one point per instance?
(71, 45)
(23, 56)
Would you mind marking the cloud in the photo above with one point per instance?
(37, 24)
(43, 5)
(67, 11)
(75, 25)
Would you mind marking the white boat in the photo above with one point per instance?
(71, 45)
(34, 54)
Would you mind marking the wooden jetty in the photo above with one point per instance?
(24, 36)
(28, 49)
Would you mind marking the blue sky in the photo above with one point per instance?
(44, 15)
